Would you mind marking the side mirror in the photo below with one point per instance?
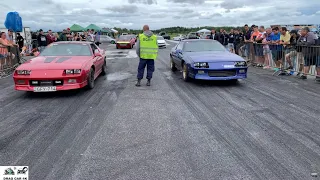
(97, 53)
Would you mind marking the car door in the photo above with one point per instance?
(97, 60)
(177, 57)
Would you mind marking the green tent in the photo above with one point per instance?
(94, 27)
(76, 28)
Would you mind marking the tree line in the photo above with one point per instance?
(178, 29)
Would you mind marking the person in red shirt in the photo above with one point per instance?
(51, 37)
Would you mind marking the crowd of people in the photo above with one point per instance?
(262, 45)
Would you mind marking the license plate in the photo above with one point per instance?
(228, 66)
(45, 89)
(123, 44)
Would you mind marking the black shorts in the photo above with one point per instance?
(312, 60)
(277, 55)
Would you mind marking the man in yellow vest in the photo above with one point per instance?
(147, 51)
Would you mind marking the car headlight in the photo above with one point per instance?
(23, 72)
(72, 71)
(201, 65)
(241, 63)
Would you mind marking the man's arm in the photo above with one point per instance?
(138, 47)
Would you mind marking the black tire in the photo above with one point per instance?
(185, 73)
(132, 46)
(91, 79)
(117, 47)
(104, 68)
(172, 65)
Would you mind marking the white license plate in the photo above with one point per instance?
(228, 66)
(45, 89)
(123, 44)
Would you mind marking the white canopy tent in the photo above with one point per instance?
(115, 31)
(203, 31)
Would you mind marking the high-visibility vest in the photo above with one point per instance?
(148, 47)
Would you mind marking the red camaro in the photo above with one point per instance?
(62, 66)
(125, 42)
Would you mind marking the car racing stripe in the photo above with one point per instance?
(62, 59)
(49, 59)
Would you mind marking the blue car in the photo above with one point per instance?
(207, 59)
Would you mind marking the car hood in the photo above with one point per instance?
(213, 56)
(55, 62)
(161, 41)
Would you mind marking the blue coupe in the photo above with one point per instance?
(207, 60)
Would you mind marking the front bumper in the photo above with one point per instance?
(162, 45)
(68, 83)
(218, 74)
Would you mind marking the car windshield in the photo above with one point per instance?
(160, 38)
(125, 38)
(199, 46)
(56, 49)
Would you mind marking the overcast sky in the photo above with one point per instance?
(133, 14)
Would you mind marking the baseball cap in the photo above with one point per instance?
(68, 29)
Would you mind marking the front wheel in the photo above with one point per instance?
(172, 65)
(185, 73)
(104, 68)
(91, 79)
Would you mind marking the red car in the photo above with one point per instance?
(62, 66)
(125, 42)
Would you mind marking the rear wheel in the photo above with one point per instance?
(91, 79)
(185, 73)
(131, 46)
(172, 65)
(234, 81)
(117, 47)
(104, 68)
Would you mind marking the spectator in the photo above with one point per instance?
(247, 36)
(10, 36)
(267, 36)
(42, 40)
(51, 37)
(214, 35)
(20, 41)
(231, 41)
(238, 40)
(285, 41)
(306, 41)
(63, 36)
(257, 37)
(224, 39)
(275, 48)
(77, 37)
(295, 51)
(4, 53)
(83, 36)
(69, 35)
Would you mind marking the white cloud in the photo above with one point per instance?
(133, 14)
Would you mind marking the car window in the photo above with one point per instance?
(180, 46)
(203, 45)
(67, 49)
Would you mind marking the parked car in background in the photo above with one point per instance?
(179, 37)
(105, 38)
(193, 35)
(164, 35)
(125, 42)
(161, 42)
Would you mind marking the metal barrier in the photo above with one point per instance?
(10, 61)
(297, 58)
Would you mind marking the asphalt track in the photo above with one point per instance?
(265, 127)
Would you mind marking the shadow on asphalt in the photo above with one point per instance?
(222, 83)
(58, 94)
